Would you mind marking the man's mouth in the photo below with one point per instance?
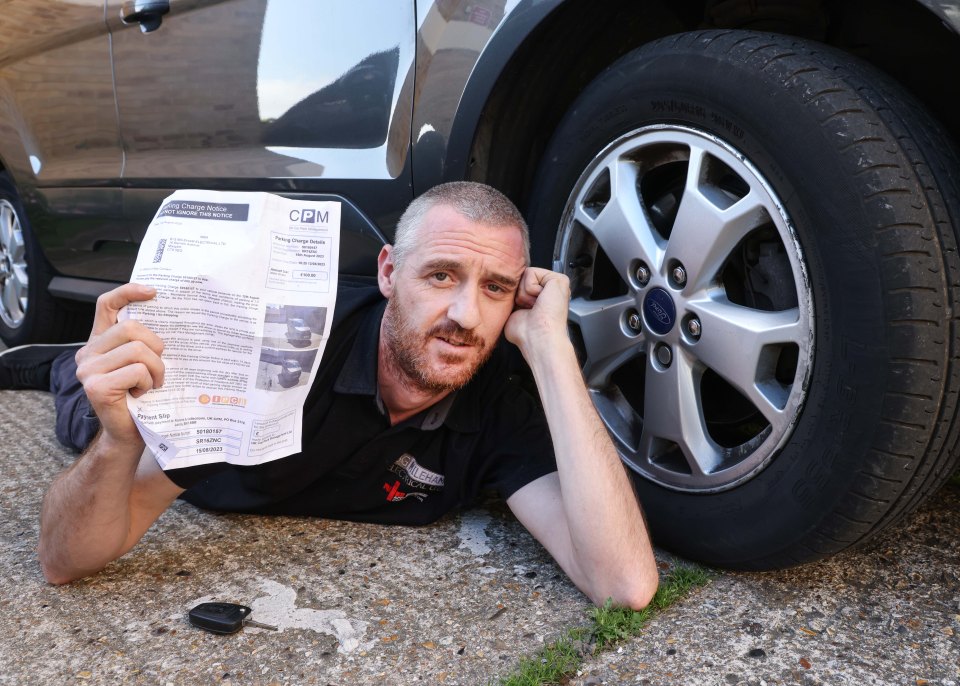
(456, 336)
(455, 342)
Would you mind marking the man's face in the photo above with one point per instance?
(449, 299)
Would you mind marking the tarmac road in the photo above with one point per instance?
(458, 602)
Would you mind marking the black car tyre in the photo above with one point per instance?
(28, 313)
(759, 235)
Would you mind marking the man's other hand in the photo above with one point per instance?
(543, 298)
(119, 357)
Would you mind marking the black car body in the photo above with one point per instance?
(757, 204)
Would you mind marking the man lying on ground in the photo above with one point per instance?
(411, 415)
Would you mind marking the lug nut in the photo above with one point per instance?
(694, 328)
(633, 321)
(679, 275)
(664, 355)
(643, 275)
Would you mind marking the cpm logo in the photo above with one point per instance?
(308, 216)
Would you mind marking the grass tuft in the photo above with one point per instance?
(680, 582)
(609, 625)
(550, 663)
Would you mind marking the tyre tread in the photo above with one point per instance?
(932, 464)
(936, 420)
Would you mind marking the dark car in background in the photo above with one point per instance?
(757, 203)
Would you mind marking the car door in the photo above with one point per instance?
(274, 95)
(59, 138)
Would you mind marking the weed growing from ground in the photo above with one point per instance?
(610, 625)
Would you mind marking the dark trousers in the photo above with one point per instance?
(76, 422)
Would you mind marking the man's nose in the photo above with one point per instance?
(465, 309)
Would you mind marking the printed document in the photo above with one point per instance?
(246, 287)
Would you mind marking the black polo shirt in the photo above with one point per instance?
(490, 434)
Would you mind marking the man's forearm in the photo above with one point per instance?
(85, 520)
(609, 539)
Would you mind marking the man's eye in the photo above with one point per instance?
(441, 276)
(496, 288)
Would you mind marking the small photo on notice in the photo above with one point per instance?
(289, 346)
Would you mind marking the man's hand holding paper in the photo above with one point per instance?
(119, 358)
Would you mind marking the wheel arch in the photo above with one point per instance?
(914, 41)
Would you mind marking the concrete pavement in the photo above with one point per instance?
(458, 602)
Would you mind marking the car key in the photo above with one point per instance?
(224, 618)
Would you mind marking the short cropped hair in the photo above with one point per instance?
(475, 201)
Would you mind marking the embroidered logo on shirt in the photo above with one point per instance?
(416, 475)
(395, 495)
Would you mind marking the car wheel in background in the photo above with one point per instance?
(759, 237)
(28, 313)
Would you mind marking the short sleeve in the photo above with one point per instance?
(516, 447)
(188, 477)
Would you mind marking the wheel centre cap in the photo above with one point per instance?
(659, 312)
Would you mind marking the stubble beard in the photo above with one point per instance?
(406, 352)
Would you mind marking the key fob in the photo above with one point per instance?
(220, 618)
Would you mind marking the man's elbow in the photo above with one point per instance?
(55, 571)
(633, 587)
(54, 574)
(634, 594)
(642, 594)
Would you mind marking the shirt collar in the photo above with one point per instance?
(359, 377)
(359, 373)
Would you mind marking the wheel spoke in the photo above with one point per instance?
(607, 346)
(705, 232)
(11, 301)
(21, 277)
(16, 248)
(733, 342)
(673, 412)
(6, 227)
(619, 416)
(622, 228)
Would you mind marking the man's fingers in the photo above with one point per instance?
(120, 356)
(132, 354)
(533, 282)
(530, 287)
(111, 302)
(111, 388)
(120, 334)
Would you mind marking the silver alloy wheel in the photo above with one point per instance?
(13, 267)
(690, 306)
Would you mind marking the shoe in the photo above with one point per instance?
(28, 366)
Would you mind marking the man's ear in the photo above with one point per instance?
(385, 270)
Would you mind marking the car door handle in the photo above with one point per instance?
(147, 13)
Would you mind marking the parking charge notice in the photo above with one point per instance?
(246, 287)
